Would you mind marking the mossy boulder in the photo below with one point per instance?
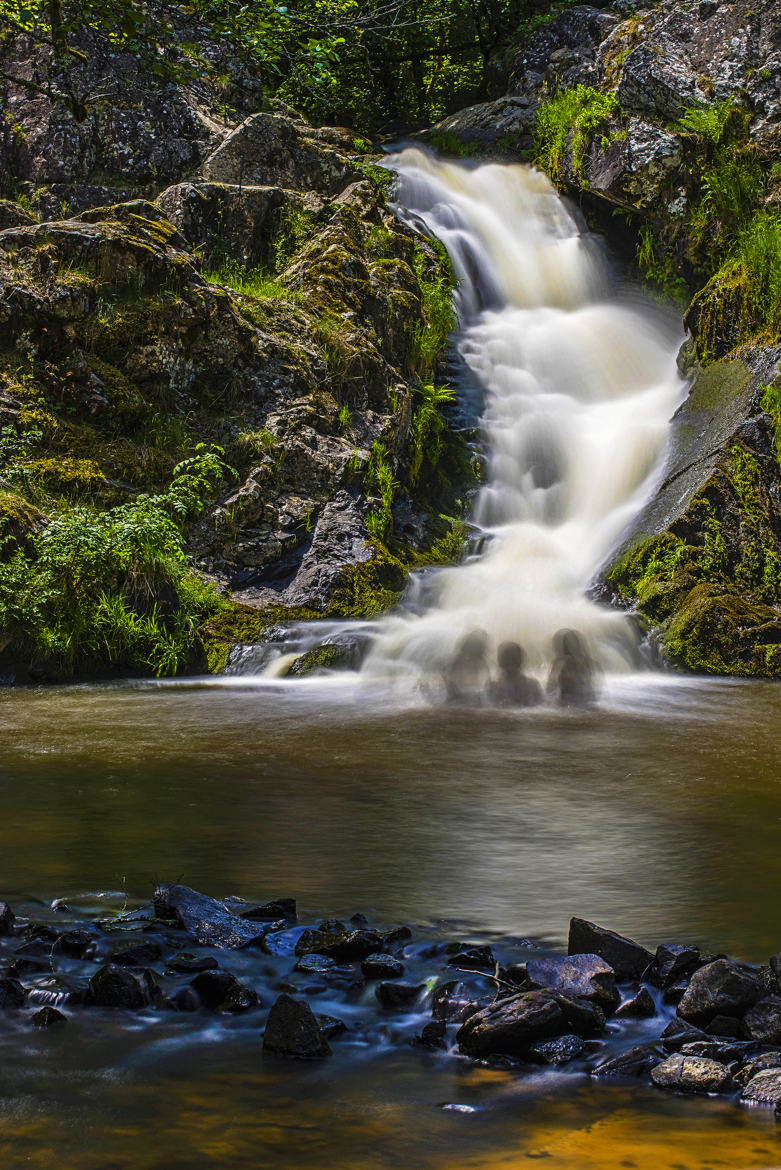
(702, 563)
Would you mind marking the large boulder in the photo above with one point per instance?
(268, 150)
(628, 959)
(510, 1025)
(721, 988)
(223, 221)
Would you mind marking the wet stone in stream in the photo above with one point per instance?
(677, 1019)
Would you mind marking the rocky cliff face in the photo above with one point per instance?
(671, 116)
(168, 279)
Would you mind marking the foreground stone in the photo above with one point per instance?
(691, 1074)
(764, 1088)
(721, 988)
(292, 1031)
(509, 1026)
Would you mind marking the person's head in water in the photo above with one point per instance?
(571, 680)
(512, 688)
(472, 648)
(510, 657)
(465, 676)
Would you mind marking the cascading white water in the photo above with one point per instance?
(578, 388)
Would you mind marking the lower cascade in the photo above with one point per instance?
(579, 384)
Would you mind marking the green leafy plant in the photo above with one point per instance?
(570, 119)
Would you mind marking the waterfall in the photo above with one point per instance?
(579, 384)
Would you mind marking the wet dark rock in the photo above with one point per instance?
(724, 1026)
(757, 1064)
(348, 946)
(48, 1017)
(185, 1000)
(720, 988)
(398, 995)
(358, 919)
(764, 1088)
(641, 1006)
(7, 918)
(213, 987)
(114, 987)
(628, 959)
(559, 1050)
(432, 1034)
(509, 1026)
(763, 1021)
(271, 911)
(239, 999)
(677, 1033)
(674, 992)
(397, 935)
(636, 1062)
(331, 1026)
(33, 955)
(209, 922)
(715, 1050)
(315, 964)
(691, 1074)
(471, 958)
(12, 994)
(292, 1030)
(516, 973)
(672, 962)
(382, 967)
(331, 926)
(137, 954)
(584, 1016)
(586, 976)
(452, 1002)
(75, 943)
(154, 987)
(187, 964)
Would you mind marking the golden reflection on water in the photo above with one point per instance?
(388, 1116)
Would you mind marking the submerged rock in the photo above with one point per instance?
(48, 1017)
(292, 1030)
(398, 995)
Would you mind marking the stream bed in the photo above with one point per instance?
(655, 813)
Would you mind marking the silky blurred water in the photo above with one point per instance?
(656, 813)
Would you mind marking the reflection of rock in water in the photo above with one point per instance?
(578, 392)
